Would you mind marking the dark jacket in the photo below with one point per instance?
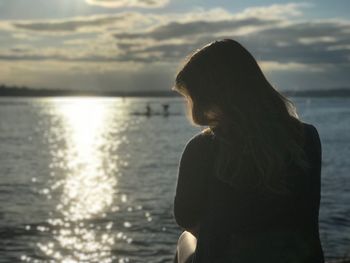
(243, 225)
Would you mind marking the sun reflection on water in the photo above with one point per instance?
(85, 181)
(89, 188)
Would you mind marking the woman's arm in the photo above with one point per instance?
(191, 191)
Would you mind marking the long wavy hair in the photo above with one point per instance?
(261, 138)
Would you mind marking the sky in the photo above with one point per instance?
(129, 45)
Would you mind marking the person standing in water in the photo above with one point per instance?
(148, 110)
(165, 109)
(248, 187)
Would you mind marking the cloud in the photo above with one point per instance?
(91, 23)
(302, 42)
(277, 35)
(138, 21)
(292, 66)
(278, 11)
(311, 42)
(269, 32)
(176, 29)
(71, 54)
(128, 3)
(315, 40)
(84, 76)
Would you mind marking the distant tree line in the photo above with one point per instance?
(14, 91)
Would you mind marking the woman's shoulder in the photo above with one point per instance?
(310, 127)
(311, 132)
(200, 141)
(312, 143)
(204, 137)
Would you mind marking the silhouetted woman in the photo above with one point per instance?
(249, 185)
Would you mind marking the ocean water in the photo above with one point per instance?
(85, 180)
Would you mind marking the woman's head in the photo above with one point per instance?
(223, 81)
(257, 126)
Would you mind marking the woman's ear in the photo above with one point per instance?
(213, 114)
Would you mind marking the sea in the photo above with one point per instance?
(87, 179)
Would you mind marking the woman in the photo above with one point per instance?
(248, 187)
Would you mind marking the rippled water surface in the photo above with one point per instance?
(86, 180)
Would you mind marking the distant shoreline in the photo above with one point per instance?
(29, 92)
(342, 92)
(6, 91)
